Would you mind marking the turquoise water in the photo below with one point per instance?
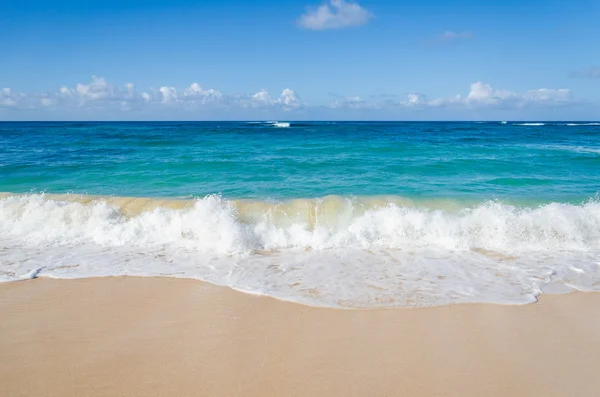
(478, 161)
(333, 214)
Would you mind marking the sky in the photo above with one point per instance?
(300, 60)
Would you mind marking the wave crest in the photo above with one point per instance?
(218, 225)
(334, 251)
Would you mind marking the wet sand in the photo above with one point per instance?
(128, 336)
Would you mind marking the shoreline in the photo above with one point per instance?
(559, 292)
(163, 336)
(290, 301)
(330, 252)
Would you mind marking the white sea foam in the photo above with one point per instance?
(532, 124)
(331, 252)
(279, 124)
(567, 148)
(581, 124)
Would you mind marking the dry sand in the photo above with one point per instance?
(170, 337)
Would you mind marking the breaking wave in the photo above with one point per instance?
(411, 254)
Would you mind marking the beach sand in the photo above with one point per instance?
(127, 336)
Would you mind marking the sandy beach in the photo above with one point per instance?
(173, 337)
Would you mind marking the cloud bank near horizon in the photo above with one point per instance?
(100, 98)
(100, 94)
(480, 95)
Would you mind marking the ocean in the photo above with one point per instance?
(333, 214)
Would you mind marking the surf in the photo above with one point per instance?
(349, 251)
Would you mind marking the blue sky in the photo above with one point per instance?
(307, 59)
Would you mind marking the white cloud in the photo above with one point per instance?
(99, 97)
(129, 89)
(197, 93)
(480, 95)
(262, 98)
(47, 102)
(11, 99)
(98, 89)
(415, 99)
(562, 95)
(6, 98)
(65, 91)
(335, 15)
(288, 100)
(168, 95)
(99, 94)
(354, 103)
(484, 94)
